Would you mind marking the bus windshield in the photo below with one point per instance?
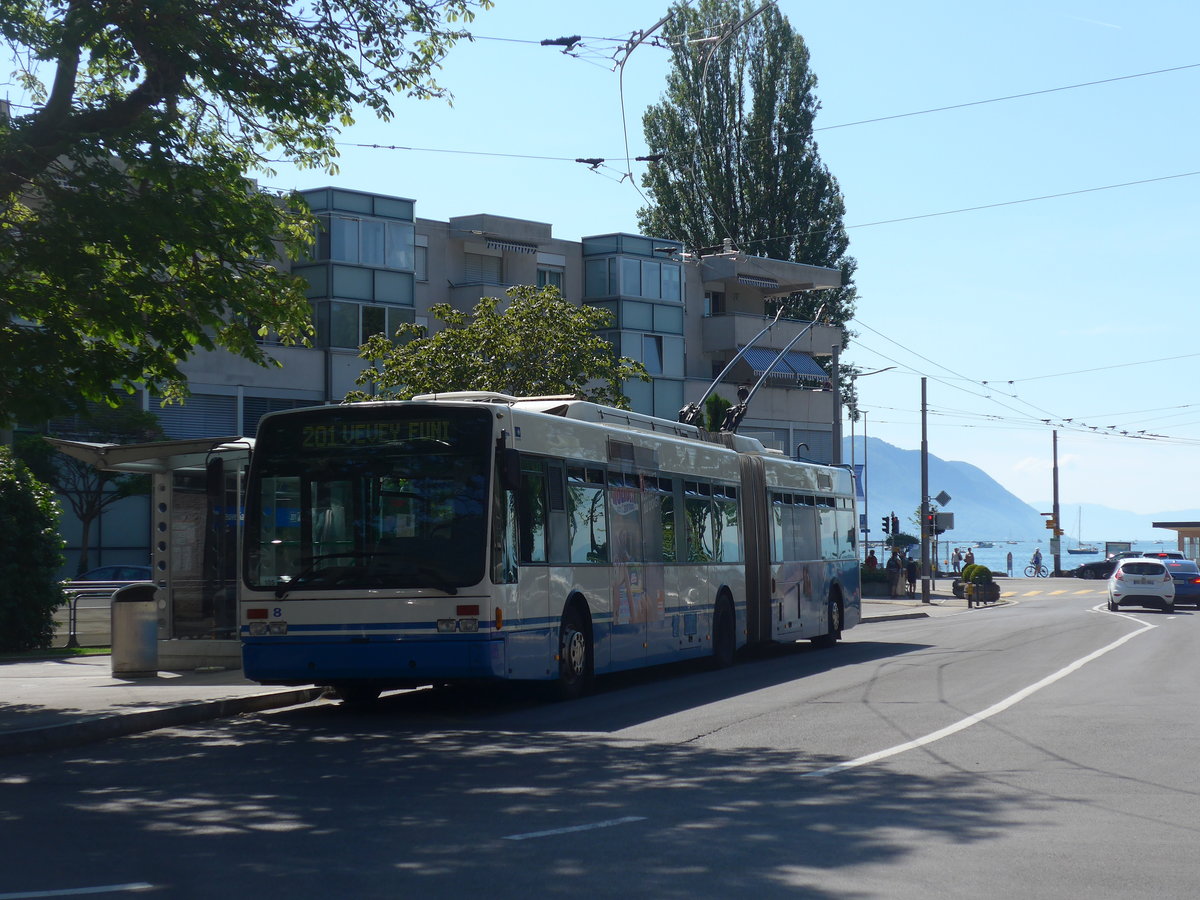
(346, 498)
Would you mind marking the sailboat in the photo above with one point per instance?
(1083, 549)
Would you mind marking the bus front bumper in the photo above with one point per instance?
(409, 661)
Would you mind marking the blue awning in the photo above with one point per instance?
(805, 366)
(759, 359)
(793, 365)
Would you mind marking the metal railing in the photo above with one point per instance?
(88, 590)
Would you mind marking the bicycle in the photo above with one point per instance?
(1038, 572)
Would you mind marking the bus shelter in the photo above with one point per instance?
(196, 504)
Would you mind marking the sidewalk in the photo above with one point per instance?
(51, 704)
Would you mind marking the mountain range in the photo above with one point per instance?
(983, 509)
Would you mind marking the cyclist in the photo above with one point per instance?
(1036, 562)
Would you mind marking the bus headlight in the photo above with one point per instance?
(446, 626)
(468, 624)
(258, 629)
(277, 628)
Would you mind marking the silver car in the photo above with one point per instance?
(1137, 581)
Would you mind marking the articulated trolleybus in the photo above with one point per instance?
(477, 536)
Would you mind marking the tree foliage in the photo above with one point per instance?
(29, 587)
(129, 234)
(90, 491)
(735, 132)
(538, 345)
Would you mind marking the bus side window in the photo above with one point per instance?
(532, 503)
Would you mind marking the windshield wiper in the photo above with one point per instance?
(313, 575)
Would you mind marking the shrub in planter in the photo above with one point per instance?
(878, 575)
(981, 575)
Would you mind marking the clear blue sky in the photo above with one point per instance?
(1058, 296)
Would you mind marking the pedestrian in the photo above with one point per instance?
(910, 572)
(872, 561)
(956, 560)
(969, 559)
(895, 570)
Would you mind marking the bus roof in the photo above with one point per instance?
(570, 407)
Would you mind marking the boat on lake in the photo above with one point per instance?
(1083, 549)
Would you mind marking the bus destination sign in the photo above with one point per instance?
(373, 434)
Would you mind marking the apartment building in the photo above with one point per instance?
(684, 316)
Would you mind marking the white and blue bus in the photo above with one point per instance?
(478, 536)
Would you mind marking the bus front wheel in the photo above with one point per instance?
(574, 655)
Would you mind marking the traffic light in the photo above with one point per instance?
(931, 524)
(886, 524)
(895, 524)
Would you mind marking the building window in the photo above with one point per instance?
(422, 263)
(480, 269)
(371, 242)
(550, 277)
(600, 277)
(714, 303)
(652, 353)
(348, 325)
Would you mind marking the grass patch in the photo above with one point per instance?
(54, 653)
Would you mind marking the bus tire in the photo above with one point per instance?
(724, 633)
(575, 654)
(834, 618)
(356, 695)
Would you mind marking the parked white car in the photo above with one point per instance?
(1137, 581)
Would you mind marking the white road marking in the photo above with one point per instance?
(994, 709)
(77, 892)
(568, 830)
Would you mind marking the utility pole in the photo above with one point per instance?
(836, 377)
(924, 501)
(1055, 542)
(866, 485)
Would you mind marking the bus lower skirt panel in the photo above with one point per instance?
(287, 662)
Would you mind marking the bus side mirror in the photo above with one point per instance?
(508, 468)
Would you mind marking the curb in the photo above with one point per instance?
(100, 728)
(892, 617)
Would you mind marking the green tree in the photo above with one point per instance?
(88, 490)
(738, 159)
(715, 408)
(539, 344)
(29, 587)
(129, 233)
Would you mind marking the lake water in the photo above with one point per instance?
(995, 558)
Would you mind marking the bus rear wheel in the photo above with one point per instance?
(574, 655)
(834, 618)
(724, 635)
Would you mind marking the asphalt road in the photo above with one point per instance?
(1041, 749)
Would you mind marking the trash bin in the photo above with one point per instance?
(135, 631)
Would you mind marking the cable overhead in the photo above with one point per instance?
(1024, 420)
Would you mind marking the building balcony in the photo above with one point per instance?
(726, 334)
